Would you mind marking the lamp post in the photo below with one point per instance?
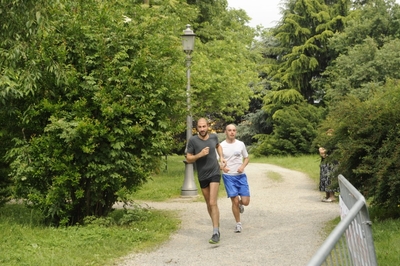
(189, 188)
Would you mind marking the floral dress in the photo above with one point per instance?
(326, 171)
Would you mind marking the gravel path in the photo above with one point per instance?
(281, 226)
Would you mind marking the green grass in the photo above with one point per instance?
(165, 185)
(386, 236)
(274, 176)
(308, 164)
(168, 183)
(24, 240)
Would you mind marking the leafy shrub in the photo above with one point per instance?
(98, 221)
(294, 129)
(365, 140)
(252, 125)
(5, 185)
(102, 110)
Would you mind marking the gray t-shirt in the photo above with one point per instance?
(207, 166)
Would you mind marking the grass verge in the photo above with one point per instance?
(386, 236)
(308, 164)
(25, 241)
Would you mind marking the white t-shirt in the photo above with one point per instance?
(234, 154)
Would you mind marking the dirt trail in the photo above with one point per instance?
(281, 226)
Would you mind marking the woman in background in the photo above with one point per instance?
(325, 177)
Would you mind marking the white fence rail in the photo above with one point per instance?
(351, 242)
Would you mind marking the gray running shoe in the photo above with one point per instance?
(241, 208)
(214, 239)
(238, 228)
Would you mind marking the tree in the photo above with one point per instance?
(104, 109)
(93, 93)
(224, 66)
(362, 89)
(303, 36)
(21, 21)
(296, 54)
(253, 124)
(367, 56)
(294, 126)
(358, 72)
(375, 19)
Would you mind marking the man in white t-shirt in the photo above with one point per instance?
(235, 180)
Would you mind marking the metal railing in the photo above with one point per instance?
(351, 242)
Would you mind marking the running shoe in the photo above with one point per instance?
(241, 208)
(238, 228)
(214, 239)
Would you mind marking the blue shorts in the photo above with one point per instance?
(236, 185)
(206, 183)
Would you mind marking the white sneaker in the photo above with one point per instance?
(238, 228)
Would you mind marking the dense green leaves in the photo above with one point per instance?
(224, 67)
(303, 33)
(362, 89)
(97, 119)
(92, 94)
(343, 56)
(295, 127)
(362, 69)
(296, 55)
(364, 139)
(377, 19)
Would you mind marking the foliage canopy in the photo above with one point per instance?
(92, 94)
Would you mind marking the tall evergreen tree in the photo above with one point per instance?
(296, 54)
(303, 35)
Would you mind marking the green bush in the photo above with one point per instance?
(5, 184)
(295, 128)
(103, 106)
(365, 140)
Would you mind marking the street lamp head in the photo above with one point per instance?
(188, 39)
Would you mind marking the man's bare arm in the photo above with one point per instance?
(191, 158)
(244, 164)
(221, 155)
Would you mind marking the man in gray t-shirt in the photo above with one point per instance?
(202, 149)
